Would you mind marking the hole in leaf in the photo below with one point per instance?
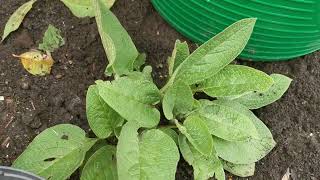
(64, 137)
(49, 159)
(260, 94)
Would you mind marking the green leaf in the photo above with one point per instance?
(140, 60)
(143, 159)
(159, 156)
(235, 80)
(120, 50)
(117, 131)
(138, 87)
(99, 144)
(247, 151)
(197, 133)
(178, 99)
(56, 152)
(179, 54)
(128, 153)
(256, 100)
(84, 8)
(144, 75)
(204, 167)
(101, 117)
(16, 18)
(170, 132)
(101, 165)
(242, 170)
(226, 122)
(52, 39)
(215, 54)
(132, 100)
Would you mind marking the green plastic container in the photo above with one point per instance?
(285, 28)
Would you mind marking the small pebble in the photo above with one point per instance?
(25, 85)
(160, 66)
(1, 98)
(58, 76)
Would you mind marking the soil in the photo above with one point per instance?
(34, 103)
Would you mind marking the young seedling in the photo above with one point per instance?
(212, 135)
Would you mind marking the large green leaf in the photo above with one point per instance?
(101, 117)
(52, 39)
(16, 18)
(99, 144)
(132, 99)
(256, 99)
(197, 133)
(226, 122)
(138, 87)
(159, 156)
(120, 50)
(247, 151)
(242, 170)
(146, 74)
(179, 54)
(144, 158)
(128, 153)
(170, 132)
(101, 165)
(84, 8)
(56, 152)
(235, 80)
(178, 99)
(215, 54)
(204, 167)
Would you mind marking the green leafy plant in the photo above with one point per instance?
(84, 8)
(212, 135)
(52, 39)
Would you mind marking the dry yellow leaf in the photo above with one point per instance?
(36, 62)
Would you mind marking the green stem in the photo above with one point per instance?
(169, 126)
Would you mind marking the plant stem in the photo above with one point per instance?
(169, 126)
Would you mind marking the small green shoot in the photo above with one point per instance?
(51, 40)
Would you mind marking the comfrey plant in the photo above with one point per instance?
(212, 135)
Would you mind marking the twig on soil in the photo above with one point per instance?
(10, 121)
(6, 143)
(34, 108)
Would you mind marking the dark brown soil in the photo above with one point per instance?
(34, 103)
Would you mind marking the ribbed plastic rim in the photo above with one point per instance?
(187, 17)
